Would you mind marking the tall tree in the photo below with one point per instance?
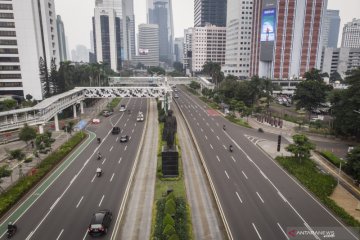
(44, 78)
(301, 147)
(214, 71)
(314, 74)
(27, 133)
(53, 79)
(335, 76)
(353, 163)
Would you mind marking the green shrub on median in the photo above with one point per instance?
(332, 158)
(14, 193)
(322, 185)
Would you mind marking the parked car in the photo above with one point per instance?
(124, 138)
(115, 130)
(122, 108)
(100, 223)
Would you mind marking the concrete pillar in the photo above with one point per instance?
(41, 129)
(56, 122)
(74, 110)
(82, 107)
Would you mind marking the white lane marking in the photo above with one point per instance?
(112, 177)
(201, 129)
(227, 174)
(127, 120)
(207, 124)
(239, 197)
(256, 231)
(101, 200)
(77, 205)
(92, 180)
(232, 157)
(286, 236)
(218, 158)
(62, 230)
(224, 147)
(111, 148)
(218, 138)
(117, 139)
(212, 129)
(211, 146)
(244, 174)
(125, 148)
(206, 137)
(198, 123)
(120, 160)
(125, 125)
(54, 204)
(132, 131)
(103, 161)
(262, 173)
(217, 124)
(204, 119)
(260, 197)
(135, 125)
(282, 196)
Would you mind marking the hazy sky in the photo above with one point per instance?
(77, 14)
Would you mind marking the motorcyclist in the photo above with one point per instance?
(99, 156)
(230, 148)
(99, 140)
(11, 227)
(98, 171)
(224, 127)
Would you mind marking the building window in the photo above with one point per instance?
(4, 6)
(10, 84)
(7, 25)
(10, 68)
(7, 34)
(9, 59)
(6, 15)
(8, 51)
(8, 42)
(10, 76)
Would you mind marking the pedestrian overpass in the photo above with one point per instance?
(150, 87)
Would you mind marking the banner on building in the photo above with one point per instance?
(268, 25)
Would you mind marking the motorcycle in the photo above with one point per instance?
(99, 157)
(11, 232)
(99, 140)
(231, 148)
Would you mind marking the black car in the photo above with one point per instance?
(100, 223)
(115, 130)
(124, 138)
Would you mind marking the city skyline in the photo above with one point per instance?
(78, 24)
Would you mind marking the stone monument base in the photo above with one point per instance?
(170, 162)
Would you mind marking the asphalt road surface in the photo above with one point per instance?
(258, 199)
(62, 208)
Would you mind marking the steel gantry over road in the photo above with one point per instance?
(144, 87)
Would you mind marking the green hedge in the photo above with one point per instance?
(332, 158)
(238, 121)
(13, 194)
(320, 184)
(114, 103)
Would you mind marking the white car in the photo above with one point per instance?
(122, 108)
(140, 117)
(96, 121)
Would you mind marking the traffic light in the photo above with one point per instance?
(279, 143)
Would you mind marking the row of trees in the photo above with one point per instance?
(69, 75)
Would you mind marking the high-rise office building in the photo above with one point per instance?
(351, 34)
(148, 41)
(28, 33)
(114, 32)
(340, 60)
(238, 38)
(330, 28)
(210, 12)
(289, 38)
(208, 45)
(179, 50)
(160, 13)
(188, 35)
(62, 39)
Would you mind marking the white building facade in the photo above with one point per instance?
(188, 35)
(351, 34)
(238, 38)
(208, 45)
(28, 32)
(148, 53)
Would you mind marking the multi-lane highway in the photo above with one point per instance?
(62, 208)
(258, 199)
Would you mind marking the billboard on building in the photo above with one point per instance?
(268, 25)
(143, 51)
